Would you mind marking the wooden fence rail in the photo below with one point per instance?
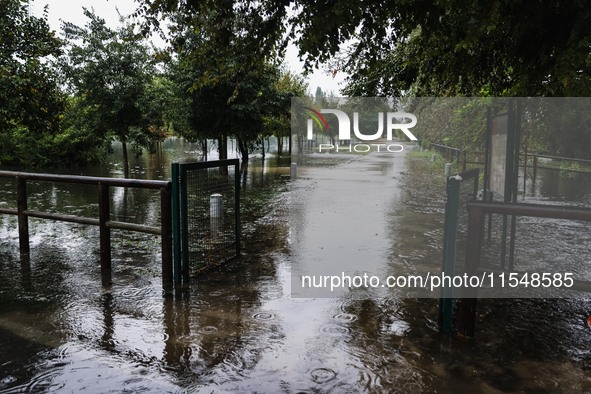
(104, 216)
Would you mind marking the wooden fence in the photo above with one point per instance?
(104, 215)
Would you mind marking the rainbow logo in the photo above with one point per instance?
(318, 118)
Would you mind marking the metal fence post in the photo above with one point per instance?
(184, 225)
(166, 236)
(237, 207)
(176, 224)
(449, 252)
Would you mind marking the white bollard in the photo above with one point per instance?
(294, 171)
(216, 215)
(447, 170)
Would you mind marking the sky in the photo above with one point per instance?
(71, 11)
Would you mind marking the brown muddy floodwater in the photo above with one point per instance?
(244, 328)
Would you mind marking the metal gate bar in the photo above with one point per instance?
(459, 191)
(476, 212)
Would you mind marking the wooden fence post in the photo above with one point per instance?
(463, 166)
(105, 233)
(23, 220)
(467, 312)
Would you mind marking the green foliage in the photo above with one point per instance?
(569, 169)
(436, 166)
(446, 48)
(163, 111)
(458, 122)
(426, 48)
(564, 124)
(231, 85)
(412, 48)
(278, 122)
(254, 28)
(108, 70)
(553, 126)
(118, 91)
(31, 104)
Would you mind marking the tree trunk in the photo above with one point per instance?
(223, 147)
(125, 160)
(204, 149)
(279, 145)
(242, 146)
(244, 173)
(263, 148)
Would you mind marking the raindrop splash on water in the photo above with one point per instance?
(323, 375)
(345, 317)
(263, 316)
(208, 330)
(334, 329)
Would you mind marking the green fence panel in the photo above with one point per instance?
(206, 215)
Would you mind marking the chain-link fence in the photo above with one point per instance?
(208, 215)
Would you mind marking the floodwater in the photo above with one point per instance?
(240, 328)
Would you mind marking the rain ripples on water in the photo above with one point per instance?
(239, 329)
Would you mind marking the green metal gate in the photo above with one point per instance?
(460, 189)
(206, 215)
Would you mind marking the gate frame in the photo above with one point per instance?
(180, 225)
(511, 176)
(476, 215)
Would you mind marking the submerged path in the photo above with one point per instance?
(250, 327)
(342, 218)
(342, 221)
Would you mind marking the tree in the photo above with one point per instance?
(162, 107)
(424, 48)
(217, 18)
(443, 48)
(450, 48)
(459, 122)
(230, 83)
(563, 123)
(109, 71)
(278, 122)
(31, 104)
